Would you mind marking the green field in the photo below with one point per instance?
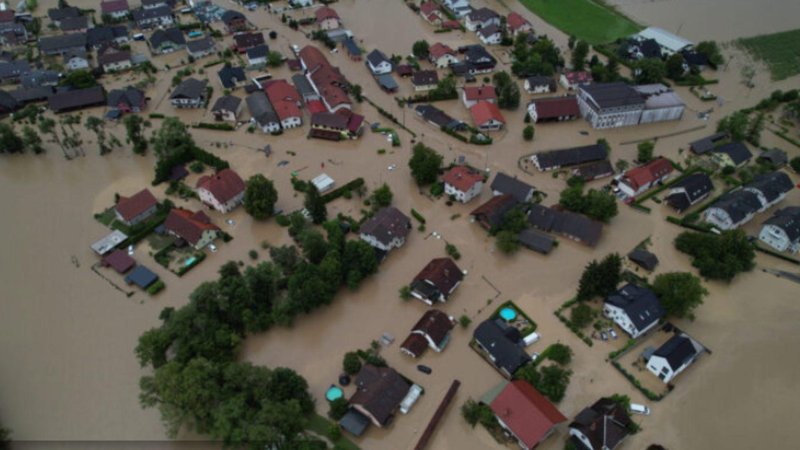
(779, 51)
(585, 19)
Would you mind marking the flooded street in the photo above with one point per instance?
(69, 371)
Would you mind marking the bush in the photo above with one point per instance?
(197, 167)
(417, 216)
(405, 293)
(527, 132)
(338, 408)
(464, 321)
(156, 287)
(581, 315)
(559, 353)
(452, 251)
(283, 220)
(351, 363)
(253, 254)
(718, 257)
(215, 126)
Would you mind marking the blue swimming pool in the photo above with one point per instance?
(189, 261)
(508, 314)
(334, 393)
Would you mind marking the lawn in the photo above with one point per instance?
(320, 426)
(585, 19)
(779, 51)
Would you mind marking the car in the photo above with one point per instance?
(424, 369)
(640, 409)
(296, 48)
(534, 356)
(213, 248)
(138, 37)
(603, 336)
(392, 167)
(283, 163)
(612, 333)
(230, 222)
(130, 250)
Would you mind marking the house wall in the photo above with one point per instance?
(608, 117)
(445, 61)
(542, 89)
(207, 237)
(424, 299)
(202, 53)
(187, 102)
(493, 39)
(77, 64)
(119, 14)
(462, 196)
(516, 438)
(397, 242)
(116, 66)
(329, 24)
(291, 122)
(720, 218)
(380, 69)
(581, 437)
(360, 408)
(526, 28)
(776, 238)
(425, 87)
(662, 114)
(138, 219)
(208, 198)
(620, 317)
(163, 21)
(490, 125)
(661, 368)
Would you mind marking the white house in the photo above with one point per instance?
(782, 230)
(740, 206)
(223, 191)
(634, 308)
(458, 7)
(490, 35)
(669, 43)
(640, 179)
(441, 55)
(672, 358)
(190, 93)
(378, 63)
(539, 85)
(462, 183)
(387, 229)
(76, 60)
(432, 329)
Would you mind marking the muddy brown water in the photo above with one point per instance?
(70, 374)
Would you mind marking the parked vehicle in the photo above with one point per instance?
(640, 409)
(603, 336)
(424, 369)
(138, 37)
(212, 247)
(612, 333)
(130, 250)
(534, 356)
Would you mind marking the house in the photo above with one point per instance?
(556, 159)
(114, 60)
(610, 105)
(202, 47)
(379, 391)
(231, 77)
(481, 18)
(109, 242)
(329, 122)
(439, 118)
(491, 35)
(771, 188)
(639, 179)
(672, 358)
(301, 3)
(638, 49)
(644, 259)
(459, 8)
(141, 277)
(536, 241)
(635, 309)
(502, 344)
(387, 82)
(775, 156)
(554, 109)
(327, 81)
(13, 71)
(257, 56)
(327, 19)
(244, 41)
(707, 144)
(491, 214)
(195, 228)
(782, 230)
(119, 260)
(12, 33)
(286, 101)
(572, 225)
(572, 80)
(227, 108)
(689, 191)
(436, 281)
(441, 55)
(76, 60)
(40, 78)
(56, 15)
(74, 25)
(101, 37)
(378, 63)
(127, 100)
(76, 99)
(223, 191)
(305, 89)
(234, 21)
(190, 93)
(738, 207)
(353, 50)
(477, 59)
(431, 13)
(387, 229)
(734, 154)
(517, 24)
(152, 4)
(160, 16)
(668, 42)
(425, 80)
(116, 9)
(59, 45)
(8, 103)
(462, 183)
(540, 85)
(594, 170)
(262, 113)
(660, 103)
(520, 190)
(166, 41)
(486, 116)
(472, 95)
(527, 416)
(340, 35)
(433, 330)
(136, 208)
(602, 426)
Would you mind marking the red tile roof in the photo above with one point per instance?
(515, 21)
(428, 7)
(188, 225)
(130, 207)
(438, 50)
(325, 13)
(526, 412)
(435, 324)
(578, 77)
(554, 107)
(442, 272)
(119, 261)
(112, 6)
(640, 176)
(284, 98)
(354, 123)
(224, 185)
(462, 178)
(480, 93)
(415, 343)
(483, 112)
(315, 106)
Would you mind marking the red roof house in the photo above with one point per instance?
(223, 191)
(639, 179)
(463, 183)
(571, 80)
(434, 327)
(436, 281)
(328, 80)
(326, 18)
(486, 116)
(518, 24)
(119, 261)
(114, 8)
(554, 109)
(431, 13)
(193, 227)
(525, 413)
(438, 50)
(137, 208)
(473, 95)
(285, 100)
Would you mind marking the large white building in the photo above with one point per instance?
(613, 105)
(669, 43)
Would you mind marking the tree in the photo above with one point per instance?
(795, 164)
(527, 132)
(507, 90)
(9, 141)
(612, 69)
(420, 49)
(274, 59)
(381, 197)
(571, 42)
(96, 125)
(273, 34)
(718, 257)
(31, 140)
(338, 408)
(351, 363)
(680, 293)
(474, 412)
(551, 380)
(649, 71)
(315, 205)
(464, 321)
(260, 197)
(133, 126)
(560, 353)
(598, 205)
(355, 89)
(79, 79)
(424, 164)
(285, 257)
(621, 165)
(599, 279)
(710, 50)
(579, 54)
(314, 246)
(645, 151)
(674, 67)
(736, 125)
(507, 242)
(581, 315)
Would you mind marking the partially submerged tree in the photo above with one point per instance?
(680, 293)
(599, 279)
(260, 196)
(424, 164)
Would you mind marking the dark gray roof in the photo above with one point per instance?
(738, 204)
(152, 13)
(352, 47)
(787, 219)
(379, 390)
(261, 109)
(130, 96)
(571, 156)
(387, 224)
(424, 78)
(639, 303)
(34, 94)
(435, 115)
(74, 23)
(536, 241)
(705, 145)
(227, 103)
(696, 185)
(476, 53)
(39, 78)
(77, 98)
(170, 35)
(230, 75)
(231, 15)
(482, 15)
(613, 95)
(53, 43)
(56, 14)
(606, 424)
(302, 85)
(13, 69)
(504, 343)
(776, 156)
(142, 277)
(376, 57)
(643, 258)
(573, 225)
(104, 35)
(772, 185)
(200, 45)
(487, 32)
(386, 81)
(8, 102)
(75, 53)
(737, 151)
(505, 184)
(190, 88)
(354, 422)
(259, 51)
(595, 170)
(677, 351)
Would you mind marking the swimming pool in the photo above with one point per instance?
(508, 314)
(334, 393)
(189, 261)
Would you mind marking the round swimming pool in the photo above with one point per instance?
(508, 314)
(334, 393)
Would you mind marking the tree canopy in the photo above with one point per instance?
(579, 54)
(79, 79)
(680, 293)
(424, 164)
(644, 152)
(541, 58)
(260, 197)
(599, 279)
(133, 126)
(718, 257)
(9, 141)
(598, 205)
(507, 90)
(420, 49)
(649, 71)
(315, 205)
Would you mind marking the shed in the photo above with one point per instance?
(323, 182)
(109, 242)
(142, 277)
(354, 422)
(643, 259)
(119, 261)
(536, 241)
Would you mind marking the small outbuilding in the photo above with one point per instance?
(323, 183)
(141, 277)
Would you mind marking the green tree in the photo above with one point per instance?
(471, 412)
(718, 257)
(31, 140)
(79, 79)
(560, 353)
(420, 49)
(674, 66)
(274, 59)
(351, 363)
(736, 125)
(286, 258)
(9, 141)
(621, 165)
(355, 90)
(579, 54)
(710, 50)
(133, 126)
(527, 132)
(381, 197)
(644, 152)
(260, 197)
(551, 380)
(424, 164)
(599, 279)
(581, 315)
(612, 69)
(315, 205)
(507, 242)
(508, 95)
(314, 246)
(598, 205)
(649, 71)
(405, 292)
(680, 293)
(795, 164)
(464, 321)
(338, 408)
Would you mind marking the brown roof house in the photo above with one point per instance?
(223, 191)
(387, 229)
(193, 227)
(137, 208)
(327, 19)
(491, 213)
(603, 425)
(432, 330)
(379, 392)
(436, 281)
(119, 261)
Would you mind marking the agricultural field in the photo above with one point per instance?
(591, 21)
(779, 51)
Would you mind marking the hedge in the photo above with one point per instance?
(455, 134)
(155, 116)
(156, 287)
(349, 187)
(214, 126)
(647, 392)
(213, 63)
(417, 216)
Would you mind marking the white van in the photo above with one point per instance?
(640, 409)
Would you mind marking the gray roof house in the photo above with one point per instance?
(734, 153)
(304, 87)
(556, 159)
(199, 48)
(674, 356)
(227, 108)
(153, 17)
(77, 99)
(40, 78)
(689, 191)
(101, 36)
(635, 309)
(58, 45)
(774, 156)
(231, 77)
(378, 63)
(503, 345)
(387, 229)
(738, 207)
(12, 71)
(705, 145)
(566, 223)
(262, 112)
(190, 93)
(782, 230)
(504, 184)
(167, 41)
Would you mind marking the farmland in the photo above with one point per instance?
(593, 22)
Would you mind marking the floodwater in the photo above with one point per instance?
(70, 374)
